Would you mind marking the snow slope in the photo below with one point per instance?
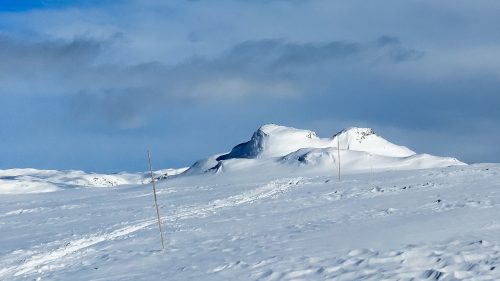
(273, 147)
(432, 224)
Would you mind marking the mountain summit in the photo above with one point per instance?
(273, 140)
(278, 147)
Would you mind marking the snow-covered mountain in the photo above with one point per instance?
(274, 147)
(272, 150)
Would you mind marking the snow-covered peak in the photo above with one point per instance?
(365, 139)
(273, 129)
(360, 133)
(272, 140)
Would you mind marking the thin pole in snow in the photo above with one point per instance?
(371, 164)
(371, 167)
(338, 155)
(156, 201)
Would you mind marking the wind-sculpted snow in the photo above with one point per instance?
(432, 224)
(274, 147)
(455, 260)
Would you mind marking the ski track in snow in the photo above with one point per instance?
(270, 190)
(42, 260)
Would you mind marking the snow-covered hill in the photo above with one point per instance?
(273, 147)
(16, 181)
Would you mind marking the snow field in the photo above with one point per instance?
(435, 224)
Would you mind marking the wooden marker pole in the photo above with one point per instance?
(156, 201)
(371, 168)
(338, 154)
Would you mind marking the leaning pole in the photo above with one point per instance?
(156, 201)
(338, 155)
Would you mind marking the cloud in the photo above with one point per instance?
(250, 70)
(395, 51)
(39, 66)
(125, 108)
(315, 74)
(281, 50)
(117, 93)
(55, 52)
(283, 53)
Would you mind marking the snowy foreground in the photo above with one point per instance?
(438, 224)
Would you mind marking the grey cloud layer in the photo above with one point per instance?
(122, 94)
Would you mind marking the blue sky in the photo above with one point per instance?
(92, 84)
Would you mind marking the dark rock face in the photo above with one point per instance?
(249, 149)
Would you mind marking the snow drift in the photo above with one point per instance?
(273, 147)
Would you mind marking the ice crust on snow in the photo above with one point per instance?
(278, 147)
